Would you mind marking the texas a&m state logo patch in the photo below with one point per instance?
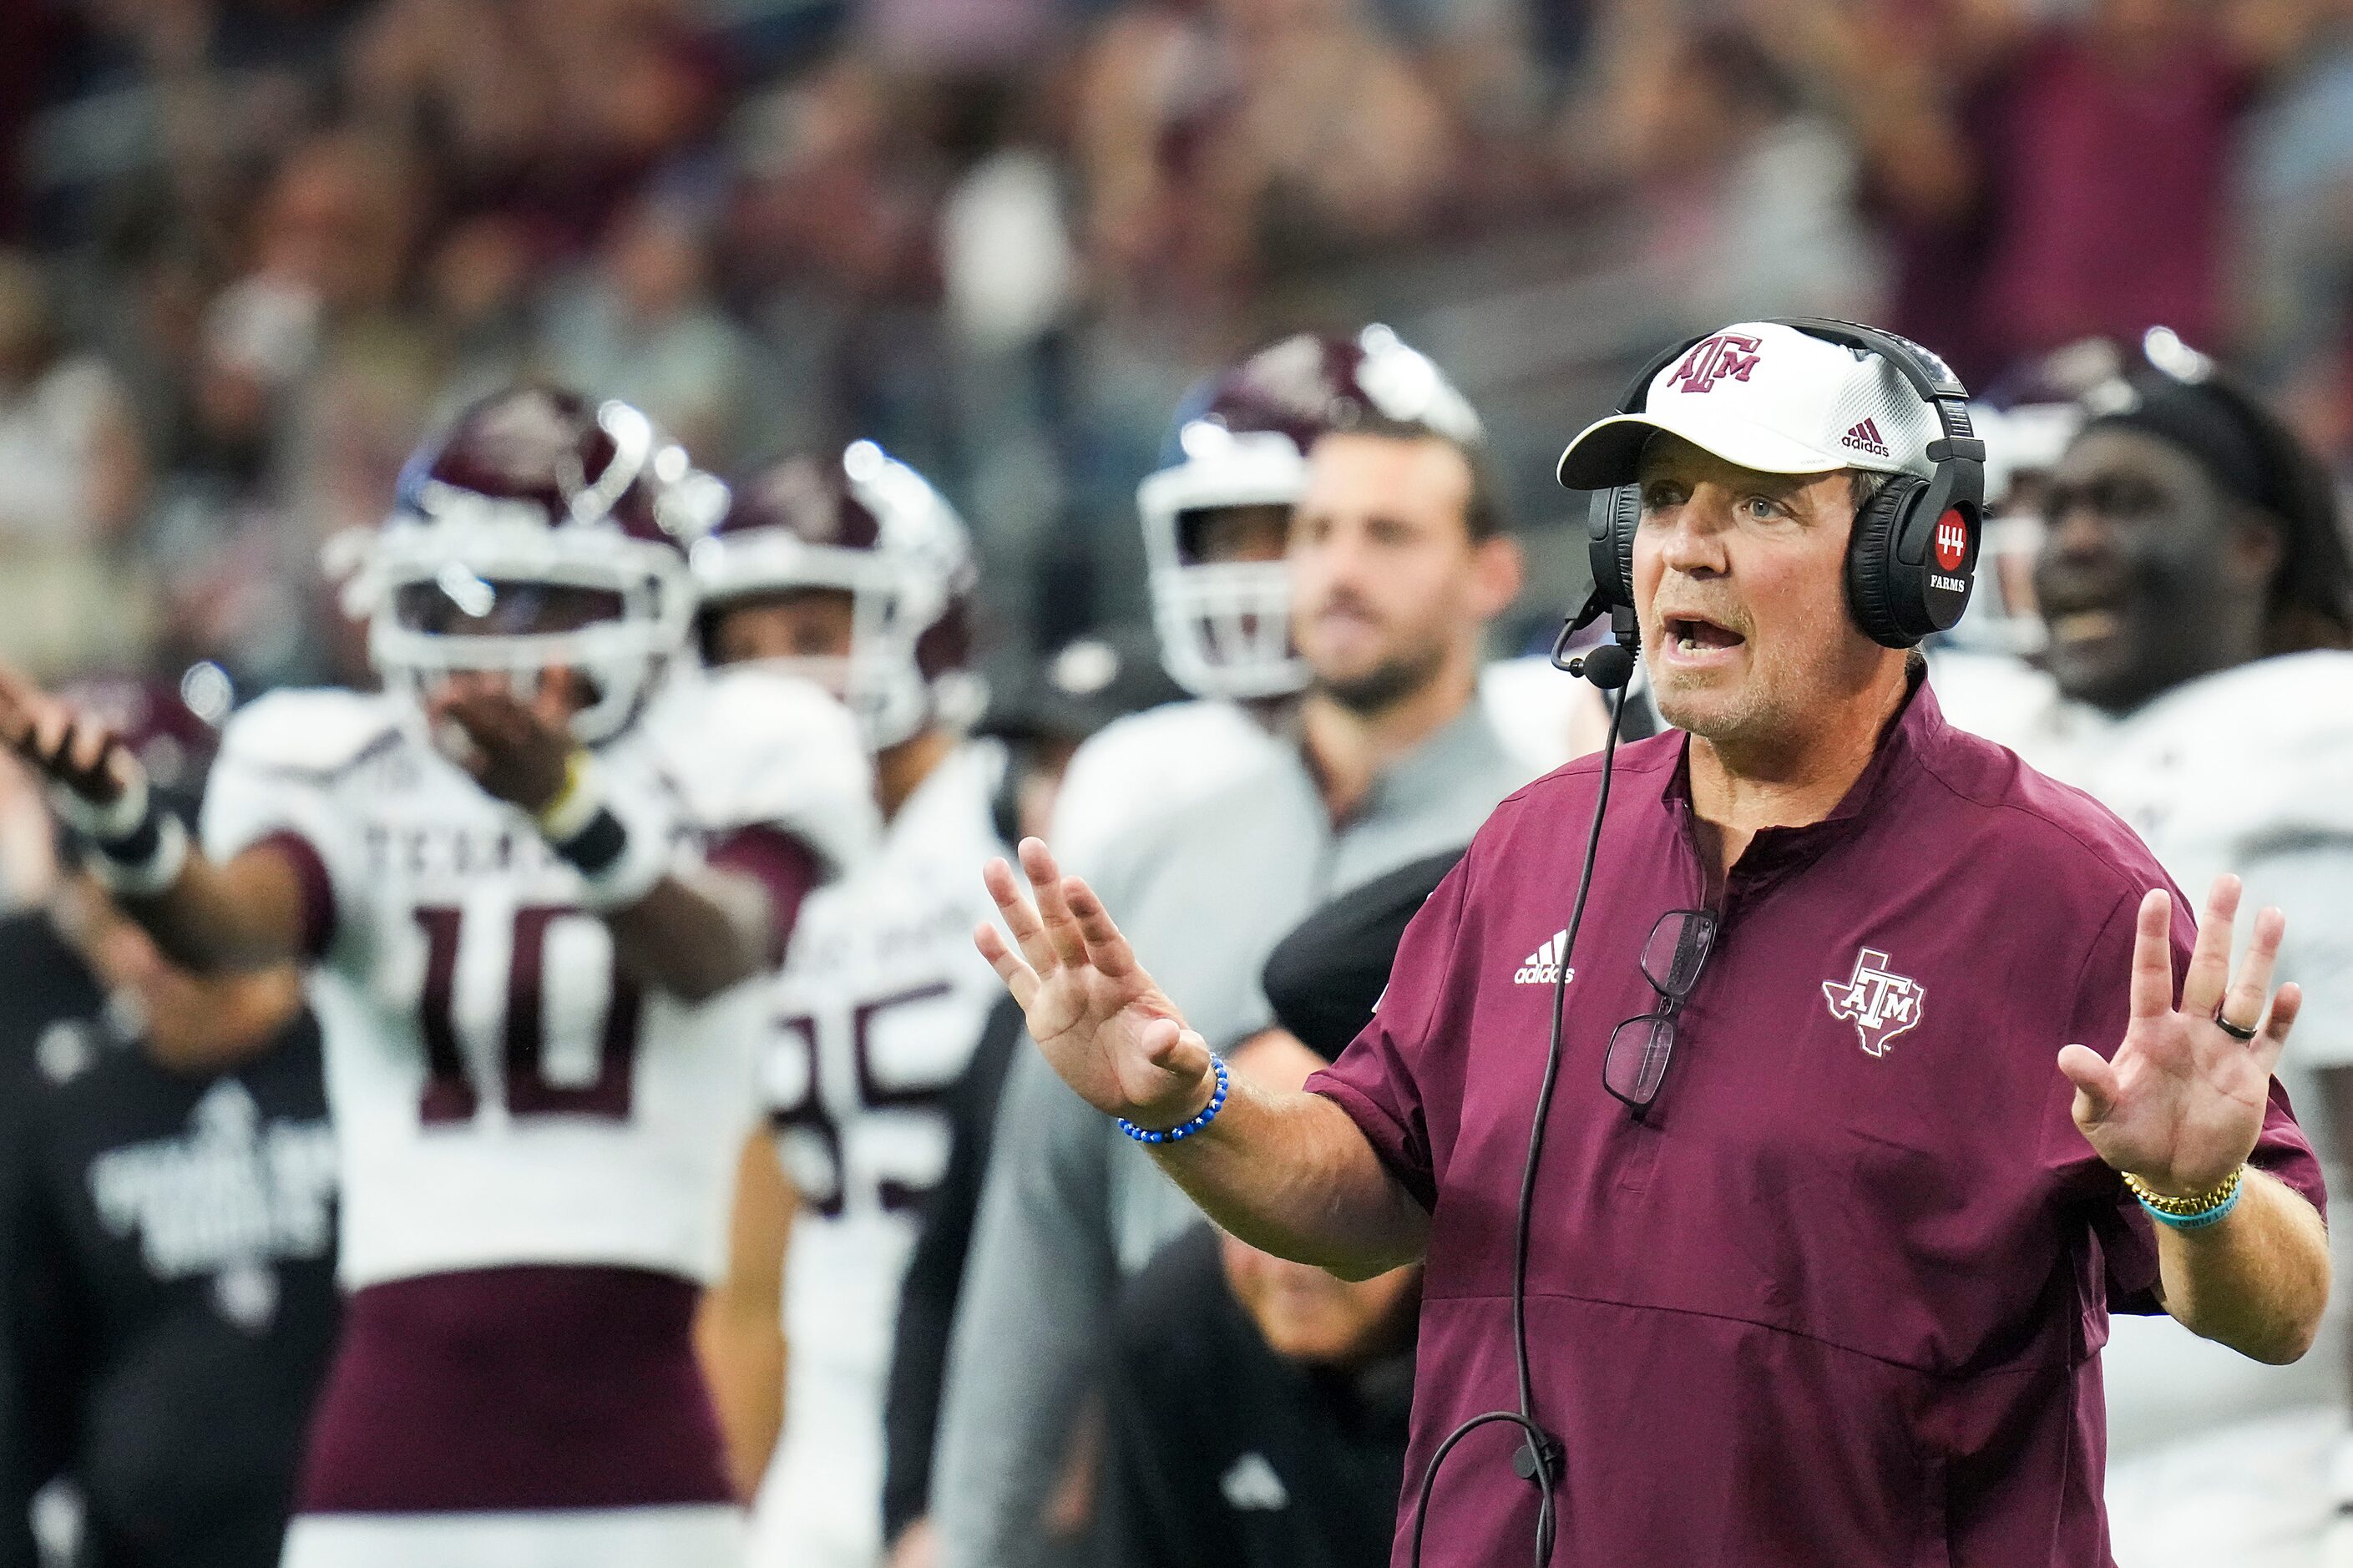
(1880, 1003)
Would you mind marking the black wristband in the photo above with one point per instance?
(137, 847)
(598, 847)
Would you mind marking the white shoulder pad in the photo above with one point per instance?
(2261, 754)
(316, 733)
(1545, 716)
(753, 747)
(2009, 702)
(1146, 763)
(281, 759)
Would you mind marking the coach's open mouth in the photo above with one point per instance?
(1697, 634)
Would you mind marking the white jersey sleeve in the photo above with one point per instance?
(2251, 771)
(753, 747)
(1143, 764)
(281, 759)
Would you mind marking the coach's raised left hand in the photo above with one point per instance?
(2181, 1103)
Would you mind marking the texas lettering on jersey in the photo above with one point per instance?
(503, 1093)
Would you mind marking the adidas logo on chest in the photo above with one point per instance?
(1543, 965)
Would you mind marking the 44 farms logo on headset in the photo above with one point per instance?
(1952, 541)
(1949, 553)
(1879, 1003)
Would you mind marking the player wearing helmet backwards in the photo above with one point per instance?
(529, 879)
(858, 576)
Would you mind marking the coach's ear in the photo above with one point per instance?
(1498, 570)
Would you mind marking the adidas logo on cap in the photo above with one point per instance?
(1543, 967)
(1865, 437)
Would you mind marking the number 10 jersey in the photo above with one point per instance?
(501, 1092)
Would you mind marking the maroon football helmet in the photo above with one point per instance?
(539, 532)
(872, 528)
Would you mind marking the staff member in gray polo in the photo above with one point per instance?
(1397, 563)
(1887, 1067)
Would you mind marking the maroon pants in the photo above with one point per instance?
(518, 1388)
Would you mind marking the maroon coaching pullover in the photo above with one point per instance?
(1840, 1299)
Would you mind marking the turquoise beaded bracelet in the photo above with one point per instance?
(1178, 1134)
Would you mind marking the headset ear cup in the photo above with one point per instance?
(1882, 593)
(1610, 543)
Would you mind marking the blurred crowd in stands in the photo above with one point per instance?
(252, 251)
(256, 246)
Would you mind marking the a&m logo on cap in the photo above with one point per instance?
(1880, 1004)
(1733, 354)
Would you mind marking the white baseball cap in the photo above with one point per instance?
(1768, 398)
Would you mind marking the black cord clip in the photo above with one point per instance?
(1524, 1460)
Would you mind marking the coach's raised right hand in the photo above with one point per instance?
(1100, 1021)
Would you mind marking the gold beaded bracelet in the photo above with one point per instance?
(2186, 1209)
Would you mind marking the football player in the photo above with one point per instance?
(1215, 517)
(2193, 573)
(855, 574)
(529, 879)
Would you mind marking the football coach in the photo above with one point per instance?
(1887, 1069)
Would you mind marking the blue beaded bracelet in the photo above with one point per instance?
(1178, 1134)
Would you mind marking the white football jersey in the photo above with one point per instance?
(880, 1002)
(501, 1093)
(2247, 769)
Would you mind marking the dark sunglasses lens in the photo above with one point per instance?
(1678, 947)
(1638, 1058)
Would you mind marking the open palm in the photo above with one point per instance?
(2182, 1101)
(1102, 1024)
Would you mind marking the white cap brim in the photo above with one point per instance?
(1610, 451)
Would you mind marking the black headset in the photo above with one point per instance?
(1913, 556)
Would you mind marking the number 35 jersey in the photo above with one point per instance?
(501, 1093)
(881, 1003)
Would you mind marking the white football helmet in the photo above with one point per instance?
(1240, 439)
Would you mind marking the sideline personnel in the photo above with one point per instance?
(1397, 561)
(1835, 1293)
